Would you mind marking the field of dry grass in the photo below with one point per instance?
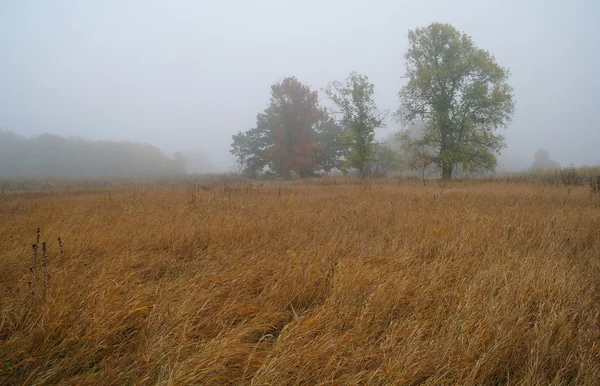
(320, 283)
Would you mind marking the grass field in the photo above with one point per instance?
(307, 283)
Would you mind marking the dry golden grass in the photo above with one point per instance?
(303, 283)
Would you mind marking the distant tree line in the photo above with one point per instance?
(456, 94)
(53, 155)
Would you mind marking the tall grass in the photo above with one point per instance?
(303, 283)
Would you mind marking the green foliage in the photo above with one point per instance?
(53, 155)
(354, 99)
(461, 95)
(420, 156)
(385, 160)
(249, 146)
(334, 149)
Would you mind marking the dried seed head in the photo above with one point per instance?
(45, 264)
(62, 254)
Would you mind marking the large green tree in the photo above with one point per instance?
(461, 95)
(359, 115)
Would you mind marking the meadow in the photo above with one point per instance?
(318, 282)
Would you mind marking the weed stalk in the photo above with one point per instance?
(45, 264)
(62, 255)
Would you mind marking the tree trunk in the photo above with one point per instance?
(446, 172)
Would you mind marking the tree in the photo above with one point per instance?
(420, 158)
(460, 94)
(385, 160)
(359, 115)
(333, 150)
(542, 161)
(179, 163)
(296, 111)
(249, 146)
(284, 139)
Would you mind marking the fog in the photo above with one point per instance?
(186, 75)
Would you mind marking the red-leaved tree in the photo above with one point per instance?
(296, 111)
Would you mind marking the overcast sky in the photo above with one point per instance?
(186, 75)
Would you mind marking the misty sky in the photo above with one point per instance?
(186, 75)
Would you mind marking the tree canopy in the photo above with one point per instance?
(293, 134)
(461, 95)
(333, 149)
(359, 115)
(294, 112)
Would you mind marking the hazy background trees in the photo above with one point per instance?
(54, 155)
(385, 160)
(542, 161)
